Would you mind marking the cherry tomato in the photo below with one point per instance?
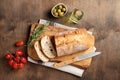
(17, 59)
(15, 66)
(19, 43)
(21, 65)
(23, 60)
(18, 52)
(8, 56)
(11, 62)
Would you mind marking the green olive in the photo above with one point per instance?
(60, 6)
(54, 10)
(56, 14)
(63, 9)
(59, 10)
(61, 14)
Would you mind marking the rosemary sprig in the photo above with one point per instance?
(37, 32)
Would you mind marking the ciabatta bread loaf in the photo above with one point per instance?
(73, 41)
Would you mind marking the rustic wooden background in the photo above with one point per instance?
(101, 16)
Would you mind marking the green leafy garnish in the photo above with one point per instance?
(37, 32)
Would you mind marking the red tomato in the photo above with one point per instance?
(8, 56)
(17, 59)
(19, 43)
(18, 52)
(15, 66)
(23, 60)
(21, 65)
(11, 62)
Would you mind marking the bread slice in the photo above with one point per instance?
(47, 47)
(73, 41)
(39, 52)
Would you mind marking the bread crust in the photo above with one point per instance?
(73, 41)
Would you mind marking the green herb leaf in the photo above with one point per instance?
(37, 32)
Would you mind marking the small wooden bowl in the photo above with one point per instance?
(52, 12)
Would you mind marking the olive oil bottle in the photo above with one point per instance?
(75, 16)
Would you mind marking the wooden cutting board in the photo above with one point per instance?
(50, 31)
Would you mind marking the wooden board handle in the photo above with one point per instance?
(65, 62)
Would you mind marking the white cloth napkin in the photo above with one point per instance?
(68, 68)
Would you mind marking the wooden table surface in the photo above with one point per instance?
(101, 16)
